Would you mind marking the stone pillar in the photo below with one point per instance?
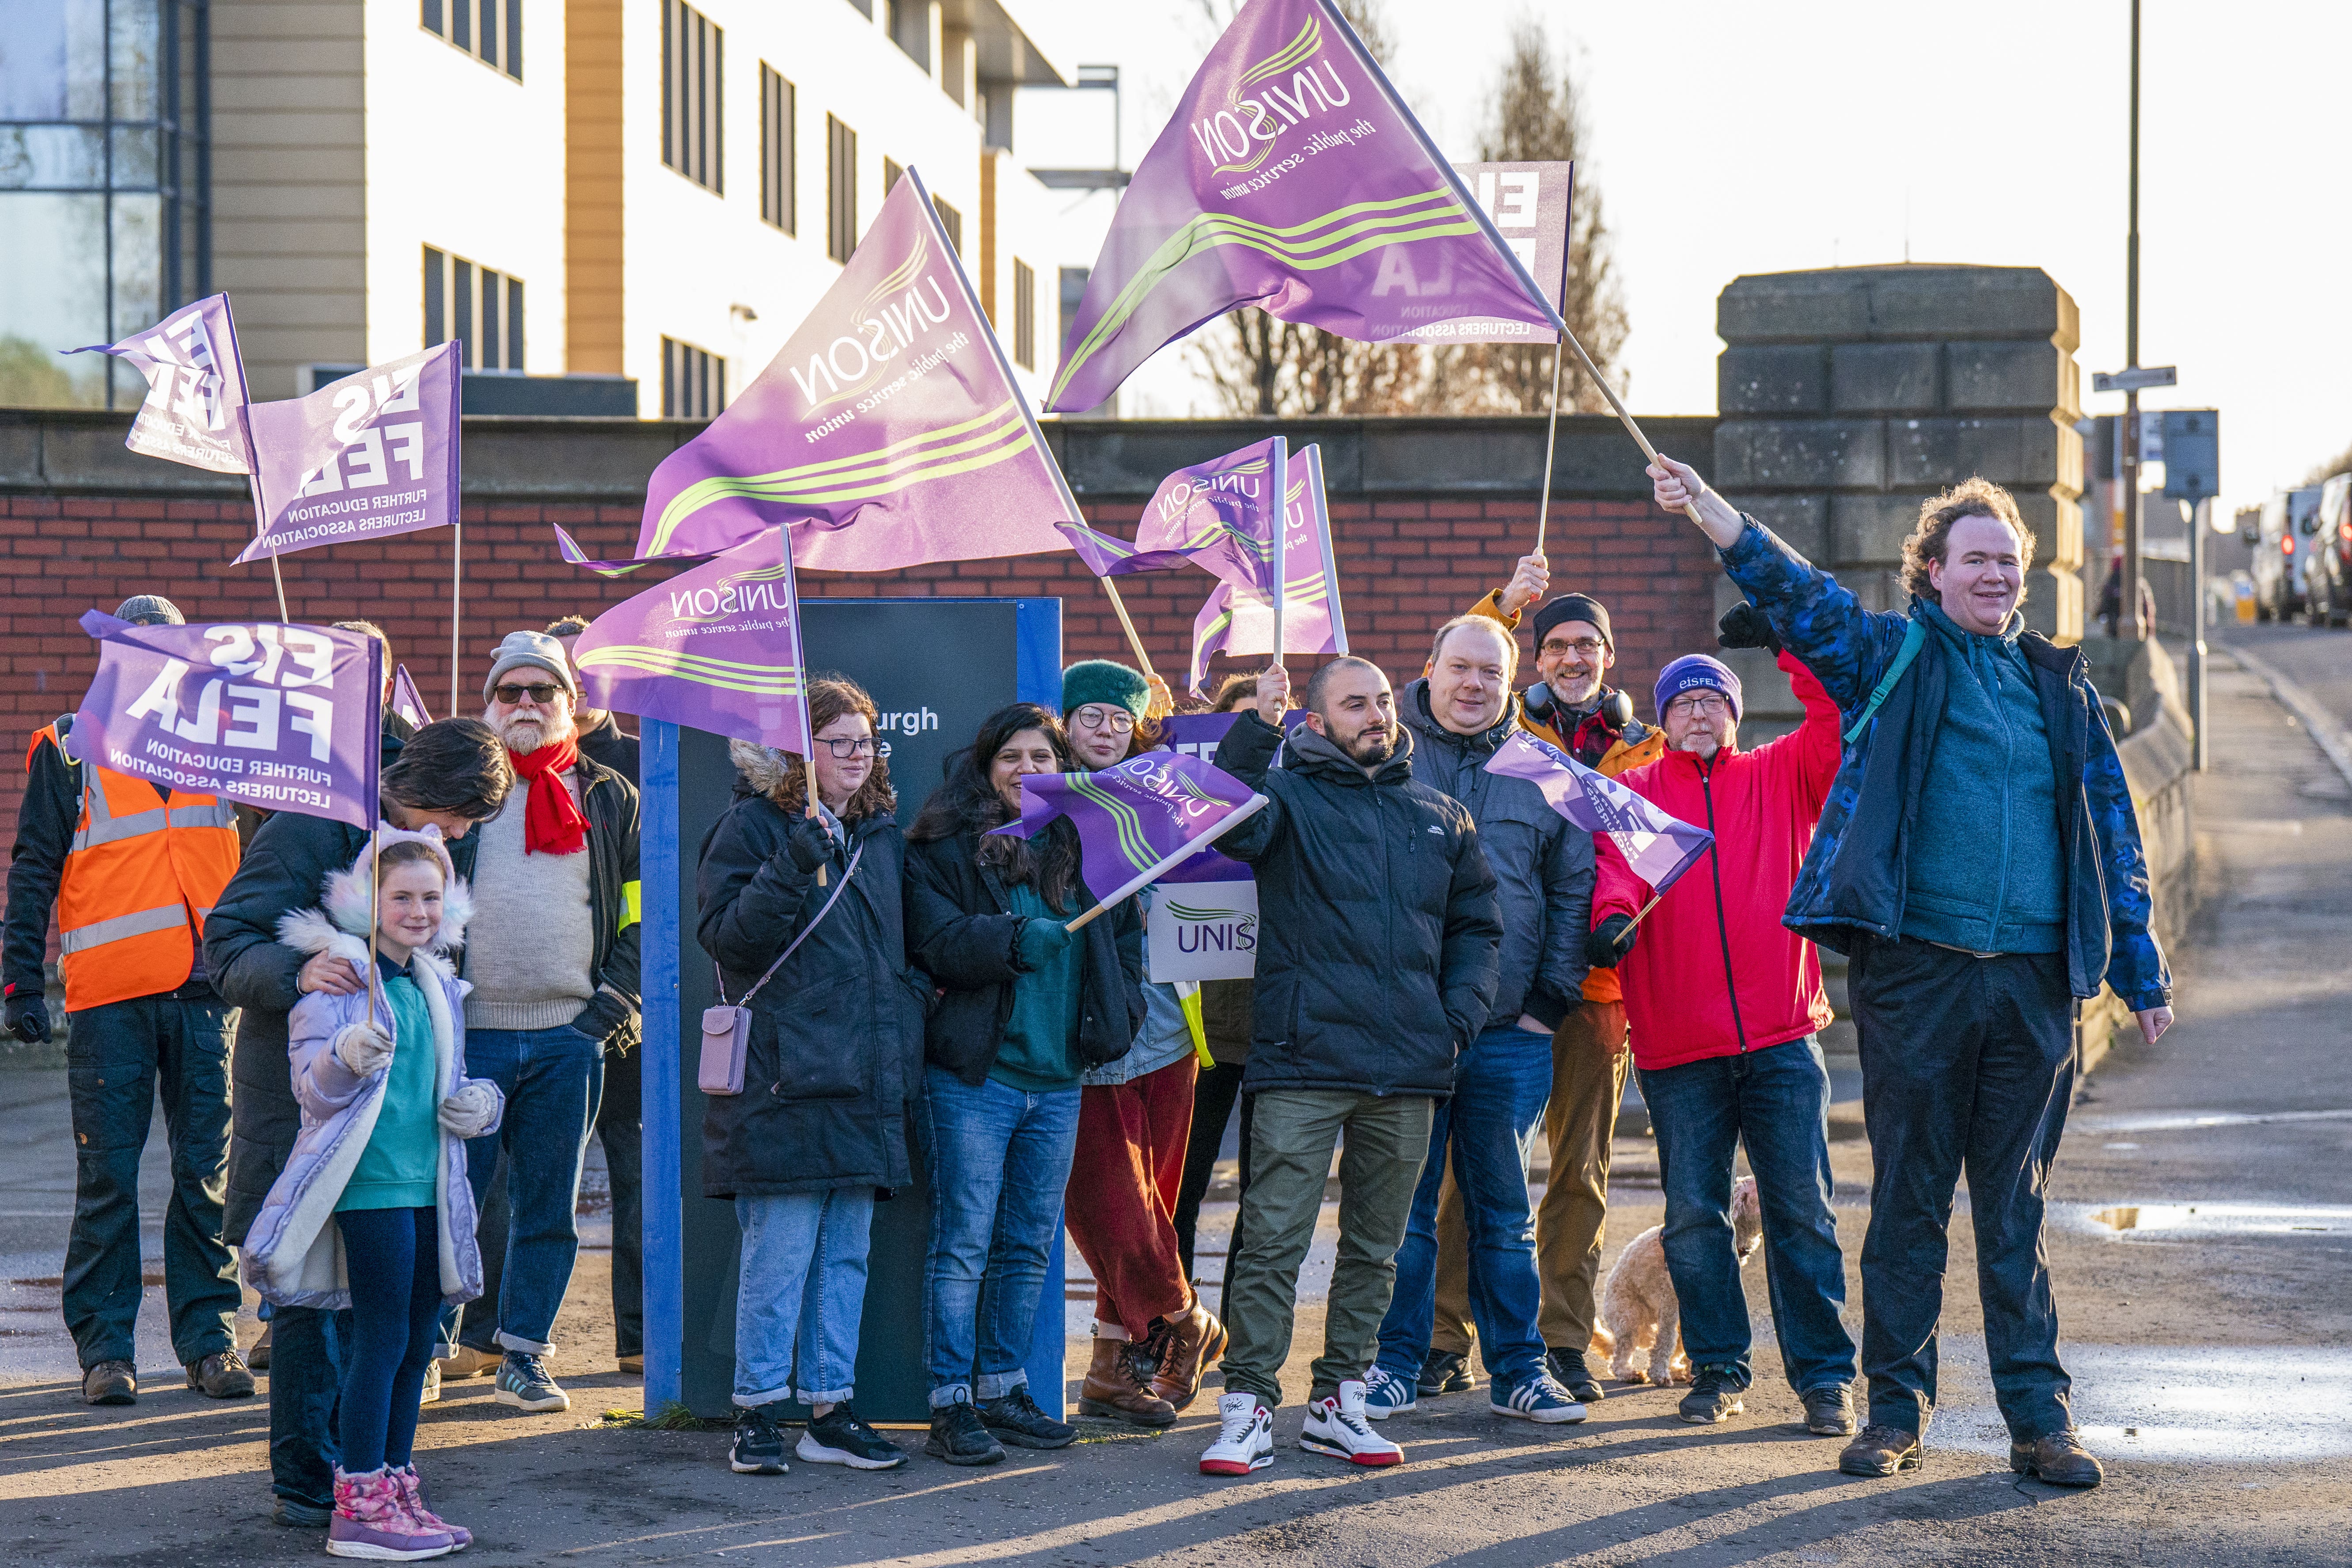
(1848, 396)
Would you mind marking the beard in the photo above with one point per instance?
(524, 736)
(1371, 748)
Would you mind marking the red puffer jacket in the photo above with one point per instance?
(1721, 922)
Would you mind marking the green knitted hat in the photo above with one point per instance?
(1100, 681)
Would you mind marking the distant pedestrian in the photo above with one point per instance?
(1978, 861)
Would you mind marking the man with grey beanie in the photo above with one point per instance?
(552, 957)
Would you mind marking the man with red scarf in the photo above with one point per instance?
(552, 953)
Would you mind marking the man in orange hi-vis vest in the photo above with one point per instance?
(131, 870)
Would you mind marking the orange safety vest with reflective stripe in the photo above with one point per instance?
(140, 877)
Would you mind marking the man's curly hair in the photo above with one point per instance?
(1931, 539)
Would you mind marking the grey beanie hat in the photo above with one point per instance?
(150, 610)
(534, 648)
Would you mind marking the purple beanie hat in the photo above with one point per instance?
(1696, 672)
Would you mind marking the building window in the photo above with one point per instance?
(778, 190)
(489, 30)
(840, 189)
(694, 382)
(693, 142)
(909, 26)
(951, 220)
(891, 170)
(1024, 315)
(476, 307)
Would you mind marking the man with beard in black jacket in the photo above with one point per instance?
(1377, 965)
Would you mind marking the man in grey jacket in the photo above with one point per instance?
(1460, 713)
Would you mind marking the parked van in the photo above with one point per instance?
(2282, 553)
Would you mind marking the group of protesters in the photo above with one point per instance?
(1447, 968)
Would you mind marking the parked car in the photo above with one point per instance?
(2328, 597)
(2283, 551)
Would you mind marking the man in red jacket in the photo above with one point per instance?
(1725, 1003)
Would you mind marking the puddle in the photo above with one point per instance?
(2234, 1220)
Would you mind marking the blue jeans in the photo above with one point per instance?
(552, 1080)
(395, 1259)
(306, 1385)
(802, 1289)
(999, 1159)
(1777, 1102)
(1500, 1086)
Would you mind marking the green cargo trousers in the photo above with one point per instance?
(1293, 1131)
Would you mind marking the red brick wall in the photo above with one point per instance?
(1405, 566)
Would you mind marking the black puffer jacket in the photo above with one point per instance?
(963, 932)
(836, 1051)
(1378, 929)
(1543, 867)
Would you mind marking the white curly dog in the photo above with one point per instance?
(1638, 1309)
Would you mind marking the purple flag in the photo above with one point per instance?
(406, 700)
(890, 432)
(716, 648)
(1217, 515)
(1291, 177)
(1527, 205)
(1238, 617)
(282, 717)
(1133, 815)
(369, 455)
(1106, 555)
(1199, 735)
(194, 410)
(1658, 846)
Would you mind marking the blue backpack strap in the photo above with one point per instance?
(1915, 637)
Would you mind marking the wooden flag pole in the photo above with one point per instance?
(811, 771)
(1551, 435)
(1281, 478)
(1256, 804)
(376, 896)
(1128, 626)
(457, 584)
(1690, 509)
(1645, 910)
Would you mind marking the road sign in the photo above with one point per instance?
(2138, 380)
(2192, 453)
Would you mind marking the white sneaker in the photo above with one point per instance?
(431, 1393)
(1245, 1443)
(1336, 1426)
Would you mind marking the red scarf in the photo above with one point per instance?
(553, 824)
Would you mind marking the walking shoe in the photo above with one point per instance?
(221, 1375)
(1113, 1391)
(957, 1437)
(1715, 1396)
(1244, 1437)
(1189, 1343)
(839, 1437)
(1387, 1395)
(1568, 1370)
(633, 1365)
(1538, 1398)
(1879, 1450)
(1014, 1418)
(1829, 1410)
(759, 1445)
(411, 1493)
(2060, 1460)
(1443, 1371)
(524, 1383)
(370, 1520)
(298, 1515)
(431, 1393)
(466, 1362)
(257, 1358)
(1336, 1426)
(110, 1383)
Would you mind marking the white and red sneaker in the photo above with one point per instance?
(1245, 1442)
(1336, 1426)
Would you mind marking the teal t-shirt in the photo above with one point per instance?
(401, 1167)
(1040, 1053)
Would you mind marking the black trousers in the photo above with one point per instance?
(1967, 1064)
(1214, 1094)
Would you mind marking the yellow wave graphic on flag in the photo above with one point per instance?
(724, 675)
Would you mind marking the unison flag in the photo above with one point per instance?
(1292, 177)
(369, 455)
(1238, 617)
(716, 648)
(1658, 847)
(406, 700)
(282, 717)
(1218, 515)
(1133, 815)
(194, 409)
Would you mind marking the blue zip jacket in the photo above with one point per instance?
(1853, 879)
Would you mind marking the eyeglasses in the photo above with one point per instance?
(1588, 647)
(1117, 720)
(1709, 705)
(510, 694)
(845, 747)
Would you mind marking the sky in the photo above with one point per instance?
(1738, 138)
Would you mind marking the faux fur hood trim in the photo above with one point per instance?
(350, 906)
(776, 774)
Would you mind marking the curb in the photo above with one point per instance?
(2292, 697)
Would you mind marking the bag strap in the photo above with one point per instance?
(842, 888)
(1915, 637)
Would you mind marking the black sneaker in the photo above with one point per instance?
(1443, 1371)
(1714, 1395)
(759, 1445)
(1829, 1410)
(957, 1437)
(1568, 1370)
(1014, 1418)
(839, 1437)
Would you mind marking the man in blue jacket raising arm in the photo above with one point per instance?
(1978, 862)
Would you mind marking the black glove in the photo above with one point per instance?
(1609, 942)
(1744, 626)
(809, 843)
(28, 1016)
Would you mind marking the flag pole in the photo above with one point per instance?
(1256, 804)
(1646, 909)
(1551, 435)
(457, 582)
(376, 896)
(1281, 477)
(261, 521)
(1690, 509)
(1133, 641)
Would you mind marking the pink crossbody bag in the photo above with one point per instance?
(726, 1029)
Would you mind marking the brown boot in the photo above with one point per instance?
(1193, 1340)
(1111, 1391)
